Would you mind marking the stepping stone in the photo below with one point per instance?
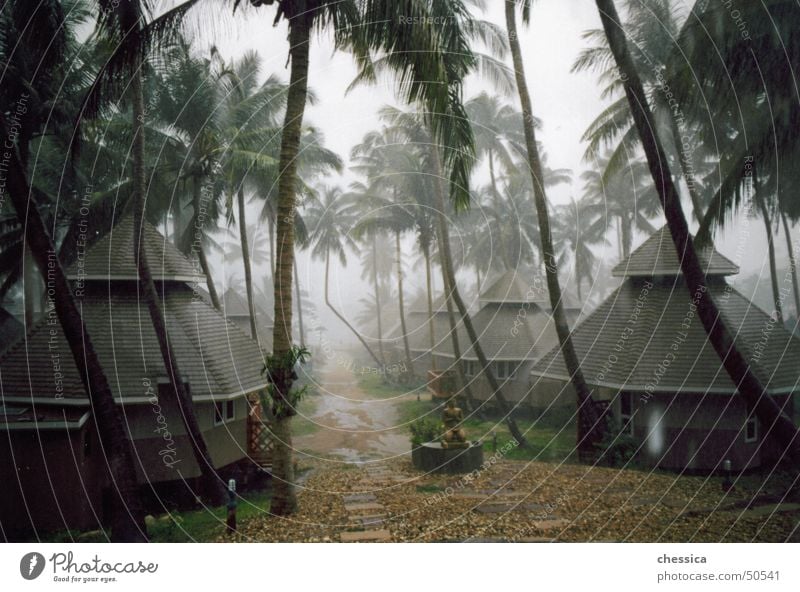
(356, 498)
(770, 508)
(364, 507)
(502, 508)
(536, 540)
(551, 524)
(369, 522)
(638, 502)
(365, 536)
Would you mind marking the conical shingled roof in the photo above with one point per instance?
(512, 288)
(657, 257)
(112, 257)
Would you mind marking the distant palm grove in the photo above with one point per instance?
(174, 230)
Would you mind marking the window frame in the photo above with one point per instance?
(510, 370)
(752, 420)
(626, 419)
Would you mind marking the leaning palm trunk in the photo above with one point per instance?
(773, 267)
(377, 297)
(341, 317)
(201, 252)
(248, 275)
(400, 299)
(284, 498)
(589, 422)
(127, 521)
(451, 290)
(792, 266)
(211, 484)
(429, 294)
(766, 409)
(297, 296)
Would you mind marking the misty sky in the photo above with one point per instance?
(565, 102)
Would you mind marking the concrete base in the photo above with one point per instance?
(432, 458)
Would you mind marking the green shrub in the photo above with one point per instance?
(425, 430)
(616, 449)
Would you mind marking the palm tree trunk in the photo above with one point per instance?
(589, 423)
(128, 516)
(201, 252)
(248, 274)
(29, 288)
(693, 195)
(400, 298)
(299, 305)
(429, 292)
(284, 498)
(377, 297)
(792, 265)
(211, 485)
(451, 290)
(773, 268)
(504, 252)
(271, 229)
(341, 317)
(770, 415)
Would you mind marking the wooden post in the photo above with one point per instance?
(231, 521)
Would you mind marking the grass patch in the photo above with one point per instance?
(202, 525)
(379, 388)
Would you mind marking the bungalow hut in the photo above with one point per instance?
(514, 328)
(645, 353)
(52, 467)
(236, 310)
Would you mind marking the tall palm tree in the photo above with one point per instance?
(416, 52)
(574, 235)
(624, 197)
(653, 25)
(328, 224)
(719, 335)
(124, 23)
(41, 34)
(589, 428)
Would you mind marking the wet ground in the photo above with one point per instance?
(351, 425)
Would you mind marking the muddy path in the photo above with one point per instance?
(352, 426)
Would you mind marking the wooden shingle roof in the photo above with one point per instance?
(111, 258)
(657, 257)
(214, 356)
(649, 339)
(514, 288)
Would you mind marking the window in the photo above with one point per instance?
(626, 413)
(751, 429)
(505, 370)
(224, 411)
(472, 368)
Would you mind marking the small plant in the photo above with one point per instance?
(425, 430)
(280, 370)
(616, 449)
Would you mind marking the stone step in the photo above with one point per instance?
(502, 508)
(556, 523)
(489, 494)
(369, 522)
(364, 507)
(365, 536)
(356, 498)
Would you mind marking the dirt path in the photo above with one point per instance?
(351, 425)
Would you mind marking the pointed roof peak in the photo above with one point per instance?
(512, 288)
(112, 257)
(657, 256)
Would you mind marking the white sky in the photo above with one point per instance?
(565, 102)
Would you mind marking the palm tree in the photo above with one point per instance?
(416, 52)
(328, 223)
(123, 23)
(653, 25)
(720, 337)
(40, 34)
(624, 197)
(589, 428)
(574, 234)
